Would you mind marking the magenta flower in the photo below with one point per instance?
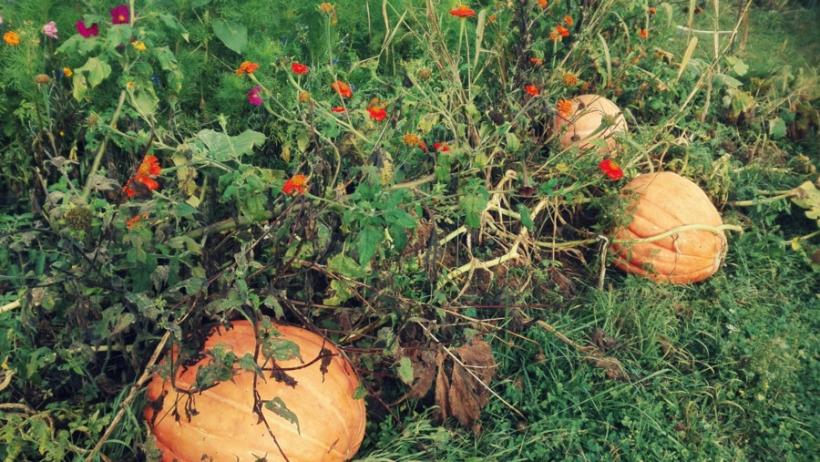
(254, 96)
(120, 14)
(50, 30)
(87, 31)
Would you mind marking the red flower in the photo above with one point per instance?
(463, 11)
(441, 147)
(536, 61)
(342, 89)
(86, 32)
(135, 220)
(562, 31)
(299, 68)
(297, 184)
(338, 109)
(568, 20)
(143, 182)
(643, 33)
(611, 169)
(120, 14)
(532, 90)
(377, 113)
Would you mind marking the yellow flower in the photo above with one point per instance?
(68, 72)
(131, 85)
(304, 96)
(327, 7)
(411, 139)
(11, 38)
(139, 45)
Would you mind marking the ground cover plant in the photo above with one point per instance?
(425, 186)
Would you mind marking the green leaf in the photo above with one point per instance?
(145, 101)
(247, 363)
(80, 87)
(474, 198)
(513, 143)
(369, 239)
(777, 128)
(96, 71)
(346, 266)
(738, 66)
(278, 407)
(234, 36)
(526, 217)
(405, 370)
(222, 147)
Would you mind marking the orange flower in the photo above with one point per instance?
(543, 4)
(411, 139)
(247, 67)
(342, 89)
(68, 72)
(536, 61)
(304, 96)
(651, 10)
(611, 169)
(11, 38)
(143, 182)
(570, 79)
(555, 36)
(462, 11)
(562, 30)
(326, 7)
(338, 109)
(297, 184)
(643, 34)
(491, 19)
(564, 107)
(377, 113)
(532, 90)
(568, 20)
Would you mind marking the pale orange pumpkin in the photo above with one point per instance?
(583, 123)
(660, 202)
(331, 422)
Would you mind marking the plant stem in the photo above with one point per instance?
(98, 158)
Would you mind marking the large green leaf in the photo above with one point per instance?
(222, 147)
(369, 239)
(234, 36)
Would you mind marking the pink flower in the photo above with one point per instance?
(87, 31)
(120, 14)
(254, 96)
(50, 30)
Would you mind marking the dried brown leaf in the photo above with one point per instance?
(464, 393)
(424, 370)
(442, 386)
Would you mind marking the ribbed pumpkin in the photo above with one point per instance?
(661, 202)
(226, 429)
(579, 126)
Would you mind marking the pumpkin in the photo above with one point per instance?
(661, 202)
(581, 125)
(331, 421)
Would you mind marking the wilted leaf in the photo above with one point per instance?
(278, 407)
(464, 393)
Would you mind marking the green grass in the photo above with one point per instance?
(726, 370)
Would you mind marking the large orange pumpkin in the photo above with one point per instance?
(225, 427)
(582, 124)
(662, 202)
